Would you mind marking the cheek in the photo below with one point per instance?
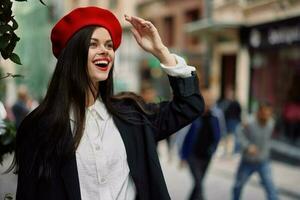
(112, 56)
(90, 55)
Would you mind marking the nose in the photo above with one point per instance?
(102, 50)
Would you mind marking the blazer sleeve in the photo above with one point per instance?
(187, 104)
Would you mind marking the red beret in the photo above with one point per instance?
(79, 18)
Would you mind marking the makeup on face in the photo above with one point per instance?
(101, 55)
(102, 63)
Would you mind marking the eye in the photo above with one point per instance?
(109, 45)
(93, 44)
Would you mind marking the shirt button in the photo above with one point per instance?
(102, 180)
(97, 148)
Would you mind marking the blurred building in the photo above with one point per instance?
(34, 47)
(254, 48)
(170, 17)
(34, 21)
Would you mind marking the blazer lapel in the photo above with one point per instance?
(127, 132)
(69, 174)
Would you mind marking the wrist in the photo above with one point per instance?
(165, 57)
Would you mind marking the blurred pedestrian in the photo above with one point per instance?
(148, 92)
(232, 112)
(20, 108)
(200, 143)
(32, 104)
(255, 138)
(83, 142)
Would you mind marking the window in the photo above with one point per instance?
(169, 31)
(192, 16)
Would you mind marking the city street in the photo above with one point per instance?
(218, 182)
(220, 177)
(90, 70)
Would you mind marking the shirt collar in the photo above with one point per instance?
(98, 107)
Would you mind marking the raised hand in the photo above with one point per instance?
(148, 38)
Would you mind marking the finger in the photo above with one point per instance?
(134, 22)
(148, 25)
(127, 18)
(140, 24)
(136, 35)
(131, 20)
(141, 20)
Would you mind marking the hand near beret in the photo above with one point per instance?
(147, 36)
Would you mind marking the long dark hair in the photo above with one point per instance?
(68, 90)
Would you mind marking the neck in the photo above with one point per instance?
(92, 95)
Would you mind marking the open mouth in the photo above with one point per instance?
(102, 64)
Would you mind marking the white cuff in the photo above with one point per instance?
(181, 69)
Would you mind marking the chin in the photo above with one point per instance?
(102, 78)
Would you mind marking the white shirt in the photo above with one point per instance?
(101, 157)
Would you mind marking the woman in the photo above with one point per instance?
(83, 142)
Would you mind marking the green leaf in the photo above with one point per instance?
(4, 41)
(16, 59)
(17, 75)
(7, 7)
(42, 2)
(14, 24)
(4, 54)
(5, 28)
(7, 52)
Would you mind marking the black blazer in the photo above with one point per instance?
(139, 140)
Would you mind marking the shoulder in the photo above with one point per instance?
(31, 125)
(131, 102)
(125, 105)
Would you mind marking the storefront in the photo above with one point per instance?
(275, 73)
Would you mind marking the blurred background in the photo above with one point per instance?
(249, 46)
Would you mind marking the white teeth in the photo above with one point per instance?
(101, 62)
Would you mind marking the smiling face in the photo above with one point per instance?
(100, 56)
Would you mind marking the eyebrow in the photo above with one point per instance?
(109, 40)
